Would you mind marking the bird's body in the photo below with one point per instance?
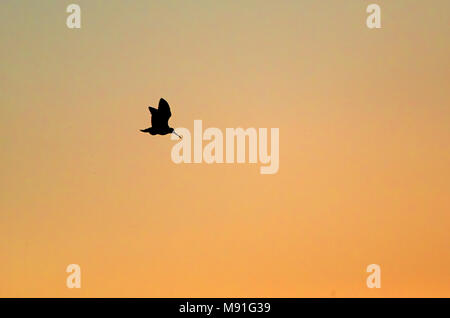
(160, 120)
(154, 131)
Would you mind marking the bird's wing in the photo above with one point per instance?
(154, 113)
(164, 109)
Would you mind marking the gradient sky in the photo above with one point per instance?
(364, 119)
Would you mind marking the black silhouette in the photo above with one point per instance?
(160, 120)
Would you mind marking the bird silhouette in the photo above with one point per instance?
(160, 120)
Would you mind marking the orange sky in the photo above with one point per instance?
(364, 119)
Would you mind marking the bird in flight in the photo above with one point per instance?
(160, 120)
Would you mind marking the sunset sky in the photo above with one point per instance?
(364, 176)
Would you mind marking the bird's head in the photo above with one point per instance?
(172, 131)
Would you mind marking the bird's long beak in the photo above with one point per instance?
(177, 135)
